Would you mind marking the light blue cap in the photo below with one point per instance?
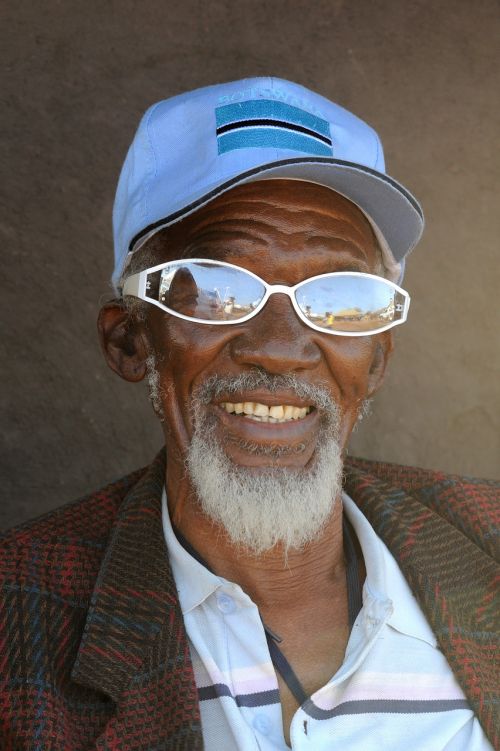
(191, 148)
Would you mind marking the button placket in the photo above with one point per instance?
(377, 613)
(225, 603)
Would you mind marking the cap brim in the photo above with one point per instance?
(394, 210)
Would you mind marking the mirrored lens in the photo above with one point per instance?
(350, 303)
(210, 292)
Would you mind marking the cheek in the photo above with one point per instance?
(349, 361)
(186, 353)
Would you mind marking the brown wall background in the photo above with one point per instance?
(425, 74)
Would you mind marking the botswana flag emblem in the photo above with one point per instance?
(266, 123)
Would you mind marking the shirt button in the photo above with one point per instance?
(226, 604)
(262, 724)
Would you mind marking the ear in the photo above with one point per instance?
(123, 342)
(383, 350)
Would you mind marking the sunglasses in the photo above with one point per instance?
(344, 303)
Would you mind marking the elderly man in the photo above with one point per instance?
(255, 590)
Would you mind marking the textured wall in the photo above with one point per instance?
(424, 74)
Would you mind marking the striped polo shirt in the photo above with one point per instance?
(394, 690)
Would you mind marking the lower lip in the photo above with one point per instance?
(287, 431)
(239, 436)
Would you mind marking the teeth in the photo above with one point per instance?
(263, 413)
(261, 410)
(277, 412)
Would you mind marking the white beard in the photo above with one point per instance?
(278, 505)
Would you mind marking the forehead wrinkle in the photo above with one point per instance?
(288, 204)
(212, 244)
(340, 228)
(214, 240)
(260, 227)
(276, 223)
(255, 210)
(347, 244)
(229, 227)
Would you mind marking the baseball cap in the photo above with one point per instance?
(192, 147)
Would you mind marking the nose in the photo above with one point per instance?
(276, 340)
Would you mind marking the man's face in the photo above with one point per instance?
(284, 231)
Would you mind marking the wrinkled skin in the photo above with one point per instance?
(284, 231)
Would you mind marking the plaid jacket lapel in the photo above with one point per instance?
(453, 580)
(134, 646)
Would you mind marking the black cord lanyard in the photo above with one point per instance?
(354, 604)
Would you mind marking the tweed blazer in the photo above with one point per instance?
(93, 650)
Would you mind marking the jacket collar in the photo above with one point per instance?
(134, 601)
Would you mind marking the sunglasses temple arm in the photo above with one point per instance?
(135, 285)
(407, 305)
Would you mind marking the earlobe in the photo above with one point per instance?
(123, 343)
(383, 350)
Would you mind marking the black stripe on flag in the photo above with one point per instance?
(273, 123)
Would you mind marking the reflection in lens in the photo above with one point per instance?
(209, 291)
(182, 293)
(350, 303)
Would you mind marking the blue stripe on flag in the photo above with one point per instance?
(273, 138)
(270, 108)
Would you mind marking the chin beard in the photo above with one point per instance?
(277, 505)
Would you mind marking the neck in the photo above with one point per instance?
(270, 579)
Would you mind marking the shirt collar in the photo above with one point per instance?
(385, 586)
(385, 589)
(194, 581)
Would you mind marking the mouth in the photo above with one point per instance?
(259, 428)
(259, 412)
(261, 416)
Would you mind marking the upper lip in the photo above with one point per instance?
(264, 397)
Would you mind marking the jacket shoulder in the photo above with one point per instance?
(48, 571)
(470, 504)
(63, 548)
(414, 478)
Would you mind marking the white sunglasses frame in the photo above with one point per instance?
(135, 286)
